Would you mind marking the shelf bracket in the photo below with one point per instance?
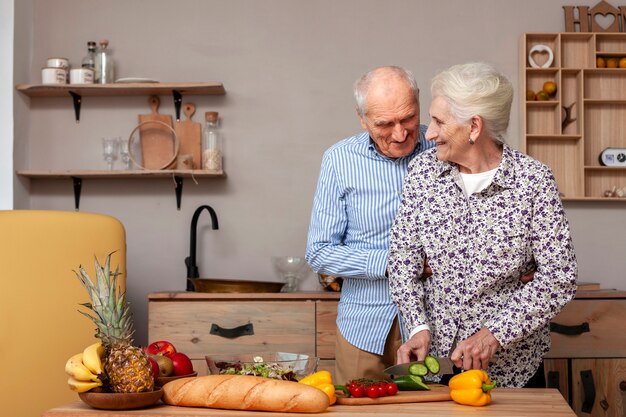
(77, 102)
(179, 190)
(78, 183)
(178, 101)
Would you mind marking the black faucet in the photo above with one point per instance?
(190, 261)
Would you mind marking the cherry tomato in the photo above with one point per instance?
(356, 391)
(382, 389)
(372, 391)
(391, 388)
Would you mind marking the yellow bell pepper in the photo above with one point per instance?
(471, 387)
(322, 380)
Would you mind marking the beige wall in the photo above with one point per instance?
(288, 68)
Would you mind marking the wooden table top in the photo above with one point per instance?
(507, 402)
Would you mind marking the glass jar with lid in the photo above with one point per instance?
(211, 143)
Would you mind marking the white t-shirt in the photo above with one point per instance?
(475, 183)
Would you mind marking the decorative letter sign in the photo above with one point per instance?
(600, 18)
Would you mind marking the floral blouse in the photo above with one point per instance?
(478, 246)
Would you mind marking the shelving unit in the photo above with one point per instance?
(596, 98)
(177, 90)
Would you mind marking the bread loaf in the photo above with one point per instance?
(245, 392)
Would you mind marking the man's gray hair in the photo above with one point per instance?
(362, 85)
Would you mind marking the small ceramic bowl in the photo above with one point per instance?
(121, 401)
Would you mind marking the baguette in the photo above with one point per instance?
(245, 392)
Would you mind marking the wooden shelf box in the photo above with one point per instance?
(596, 100)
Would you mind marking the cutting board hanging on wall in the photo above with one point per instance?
(190, 136)
(157, 140)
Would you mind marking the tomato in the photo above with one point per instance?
(392, 389)
(356, 391)
(371, 388)
(372, 391)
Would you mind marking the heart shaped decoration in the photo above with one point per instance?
(540, 58)
(604, 21)
(543, 54)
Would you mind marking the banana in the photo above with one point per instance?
(92, 357)
(74, 368)
(82, 386)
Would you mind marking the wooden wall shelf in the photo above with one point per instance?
(78, 91)
(596, 99)
(104, 174)
(77, 176)
(121, 89)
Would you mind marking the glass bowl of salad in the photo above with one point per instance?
(278, 365)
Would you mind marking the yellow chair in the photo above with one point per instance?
(40, 326)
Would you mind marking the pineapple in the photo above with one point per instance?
(127, 367)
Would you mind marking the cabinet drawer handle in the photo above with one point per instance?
(589, 390)
(553, 380)
(569, 330)
(244, 330)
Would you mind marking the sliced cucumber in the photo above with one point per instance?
(432, 364)
(418, 369)
(411, 383)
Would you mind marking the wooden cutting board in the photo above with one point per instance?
(157, 140)
(190, 136)
(437, 393)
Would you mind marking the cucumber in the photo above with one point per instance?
(410, 383)
(432, 364)
(418, 369)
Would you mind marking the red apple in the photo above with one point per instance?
(155, 368)
(161, 347)
(182, 364)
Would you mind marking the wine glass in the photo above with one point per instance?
(290, 268)
(124, 153)
(110, 149)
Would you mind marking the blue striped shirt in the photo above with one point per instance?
(358, 194)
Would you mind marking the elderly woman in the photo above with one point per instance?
(483, 214)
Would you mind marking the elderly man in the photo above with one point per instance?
(358, 194)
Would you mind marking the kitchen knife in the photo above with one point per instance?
(445, 367)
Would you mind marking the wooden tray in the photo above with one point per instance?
(437, 393)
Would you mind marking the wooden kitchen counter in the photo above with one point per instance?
(265, 296)
(507, 402)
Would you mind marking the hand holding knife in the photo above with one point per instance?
(445, 367)
(475, 352)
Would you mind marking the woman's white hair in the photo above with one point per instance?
(476, 89)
